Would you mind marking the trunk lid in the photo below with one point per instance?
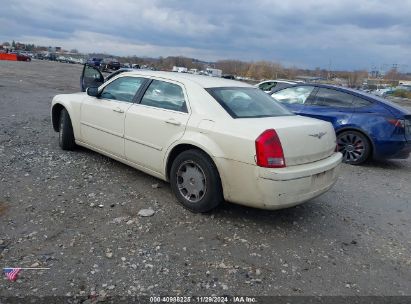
(304, 140)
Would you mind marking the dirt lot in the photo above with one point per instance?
(77, 213)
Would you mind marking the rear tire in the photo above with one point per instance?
(66, 135)
(195, 181)
(355, 147)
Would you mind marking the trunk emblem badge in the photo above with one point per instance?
(318, 135)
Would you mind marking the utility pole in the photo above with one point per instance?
(329, 70)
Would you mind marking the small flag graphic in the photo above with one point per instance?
(11, 273)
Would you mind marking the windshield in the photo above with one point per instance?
(245, 102)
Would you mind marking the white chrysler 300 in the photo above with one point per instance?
(213, 139)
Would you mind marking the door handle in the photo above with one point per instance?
(118, 110)
(172, 121)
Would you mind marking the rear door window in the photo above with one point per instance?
(165, 95)
(333, 98)
(359, 102)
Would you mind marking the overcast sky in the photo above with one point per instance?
(349, 34)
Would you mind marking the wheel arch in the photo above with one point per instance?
(181, 147)
(55, 115)
(359, 130)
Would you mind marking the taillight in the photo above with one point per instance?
(397, 122)
(269, 150)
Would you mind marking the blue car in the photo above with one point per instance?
(96, 62)
(366, 126)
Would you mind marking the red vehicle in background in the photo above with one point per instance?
(21, 57)
(14, 57)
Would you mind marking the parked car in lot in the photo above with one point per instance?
(228, 76)
(109, 64)
(268, 85)
(211, 138)
(94, 61)
(23, 57)
(367, 126)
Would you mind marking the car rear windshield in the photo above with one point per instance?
(245, 102)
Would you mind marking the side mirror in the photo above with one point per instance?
(92, 92)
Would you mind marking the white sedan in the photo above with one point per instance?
(213, 139)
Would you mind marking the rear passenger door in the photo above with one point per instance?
(330, 105)
(153, 124)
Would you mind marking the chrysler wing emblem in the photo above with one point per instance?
(318, 135)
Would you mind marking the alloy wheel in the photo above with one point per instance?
(351, 146)
(191, 181)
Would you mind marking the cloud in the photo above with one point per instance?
(350, 34)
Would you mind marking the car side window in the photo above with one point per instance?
(294, 95)
(122, 89)
(333, 98)
(359, 102)
(165, 95)
(267, 86)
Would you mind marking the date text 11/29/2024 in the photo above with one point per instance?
(203, 299)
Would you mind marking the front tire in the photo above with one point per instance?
(354, 146)
(66, 135)
(195, 181)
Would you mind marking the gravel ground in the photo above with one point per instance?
(77, 213)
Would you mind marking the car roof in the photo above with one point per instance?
(326, 86)
(203, 81)
(277, 80)
(358, 93)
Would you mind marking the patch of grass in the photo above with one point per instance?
(402, 93)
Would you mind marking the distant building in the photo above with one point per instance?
(20, 46)
(378, 83)
(41, 49)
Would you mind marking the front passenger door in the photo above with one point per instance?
(102, 117)
(152, 125)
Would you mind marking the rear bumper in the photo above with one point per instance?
(392, 149)
(404, 153)
(266, 188)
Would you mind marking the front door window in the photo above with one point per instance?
(122, 89)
